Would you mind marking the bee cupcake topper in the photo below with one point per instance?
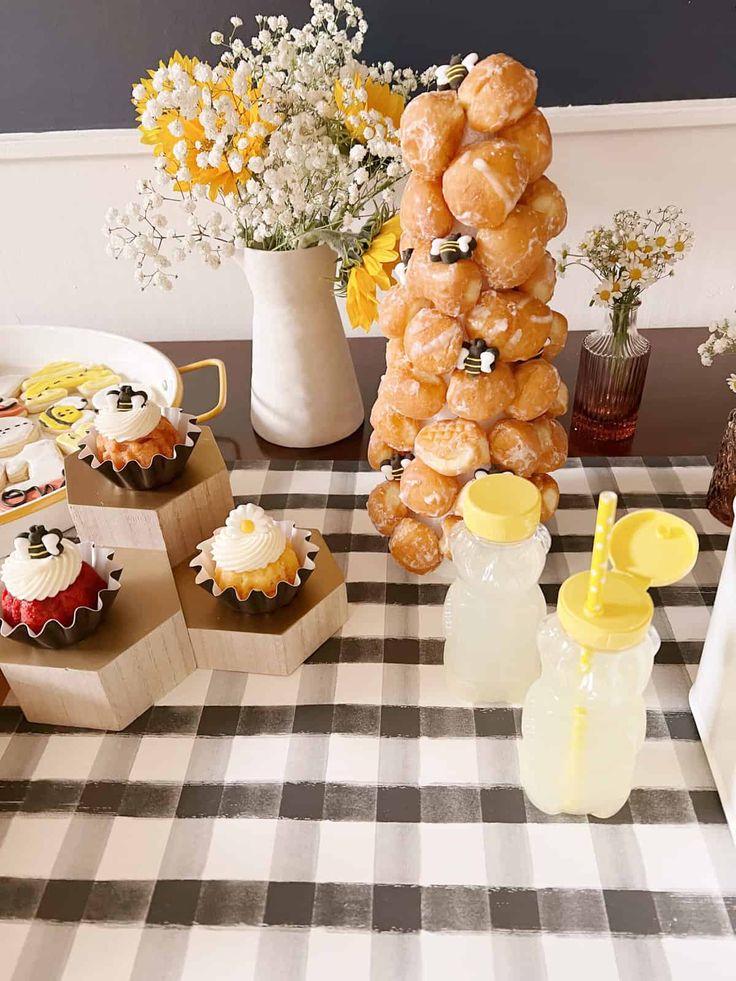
(477, 357)
(125, 398)
(401, 267)
(38, 543)
(393, 468)
(453, 248)
(450, 77)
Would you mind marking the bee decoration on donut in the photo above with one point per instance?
(487, 471)
(38, 543)
(393, 468)
(452, 248)
(450, 77)
(401, 267)
(125, 398)
(477, 358)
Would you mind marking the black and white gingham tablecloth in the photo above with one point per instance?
(356, 820)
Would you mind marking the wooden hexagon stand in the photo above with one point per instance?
(141, 652)
(274, 643)
(174, 518)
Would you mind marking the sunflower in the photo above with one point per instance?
(160, 137)
(374, 270)
(378, 97)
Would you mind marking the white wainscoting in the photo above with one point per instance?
(55, 188)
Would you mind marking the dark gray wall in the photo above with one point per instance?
(69, 64)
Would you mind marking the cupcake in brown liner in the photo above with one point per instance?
(53, 592)
(255, 564)
(137, 444)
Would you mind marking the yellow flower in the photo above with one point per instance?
(374, 271)
(160, 137)
(379, 97)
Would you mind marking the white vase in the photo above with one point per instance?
(303, 386)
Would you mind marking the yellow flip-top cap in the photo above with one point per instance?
(624, 619)
(502, 507)
(658, 547)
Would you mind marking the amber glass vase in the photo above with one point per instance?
(722, 488)
(611, 376)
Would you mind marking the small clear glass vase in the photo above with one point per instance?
(611, 375)
(722, 488)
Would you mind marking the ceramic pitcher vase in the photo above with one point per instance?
(304, 391)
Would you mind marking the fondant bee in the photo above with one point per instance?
(476, 357)
(393, 468)
(487, 471)
(451, 76)
(125, 398)
(38, 543)
(452, 248)
(401, 267)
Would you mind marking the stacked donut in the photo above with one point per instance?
(470, 383)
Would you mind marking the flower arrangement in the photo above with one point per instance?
(284, 144)
(721, 340)
(631, 254)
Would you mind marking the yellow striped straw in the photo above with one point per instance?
(604, 520)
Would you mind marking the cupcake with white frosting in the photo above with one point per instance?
(47, 580)
(255, 562)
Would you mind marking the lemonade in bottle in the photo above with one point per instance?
(584, 719)
(493, 609)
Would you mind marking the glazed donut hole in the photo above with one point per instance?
(515, 446)
(481, 397)
(432, 342)
(557, 336)
(537, 384)
(509, 254)
(378, 451)
(385, 507)
(550, 492)
(553, 442)
(452, 446)
(396, 355)
(412, 396)
(545, 197)
(431, 128)
(498, 91)
(393, 428)
(561, 402)
(541, 283)
(453, 288)
(398, 305)
(533, 137)
(449, 524)
(515, 323)
(415, 546)
(426, 492)
(484, 183)
(424, 214)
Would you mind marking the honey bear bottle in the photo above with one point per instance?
(493, 609)
(584, 720)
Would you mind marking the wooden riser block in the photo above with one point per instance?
(141, 652)
(174, 518)
(275, 643)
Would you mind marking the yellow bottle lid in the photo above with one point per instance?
(502, 507)
(647, 548)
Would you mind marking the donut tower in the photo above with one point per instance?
(470, 385)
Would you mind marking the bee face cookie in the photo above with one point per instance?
(15, 432)
(66, 413)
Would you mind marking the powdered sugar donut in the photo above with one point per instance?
(34, 472)
(483, 184)
(15, 432)
(411, 395)
(426, 492)
(424, 214)
(378, 451)
(385, 507)
(448, 525)
(396, 355)
(515, 323)
(545, 197)
(481, 397)
(453, 288)
(541, 283)
(515, 446)
(415, 546)
(561, 402)
(532, 135)
(510, 253)
(553, 442)
(497, 92)
(398, 431)
(550, 491)
(398, 305)
(537, 383)
(432, 342)
(452, 446)
(431, 128)
(557, 336)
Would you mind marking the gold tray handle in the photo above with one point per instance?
(222, 380)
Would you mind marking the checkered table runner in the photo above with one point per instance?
(355, 817)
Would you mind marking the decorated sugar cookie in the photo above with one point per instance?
(10, 385)
(15, 432)
(65, 414)
(71, 440)
(36, 471)
(11, 407)
(57, 380)
(98, 379)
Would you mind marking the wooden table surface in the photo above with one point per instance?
(683, 413)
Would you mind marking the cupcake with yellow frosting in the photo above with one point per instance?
(254, 562)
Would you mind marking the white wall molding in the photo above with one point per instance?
(563, 119)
